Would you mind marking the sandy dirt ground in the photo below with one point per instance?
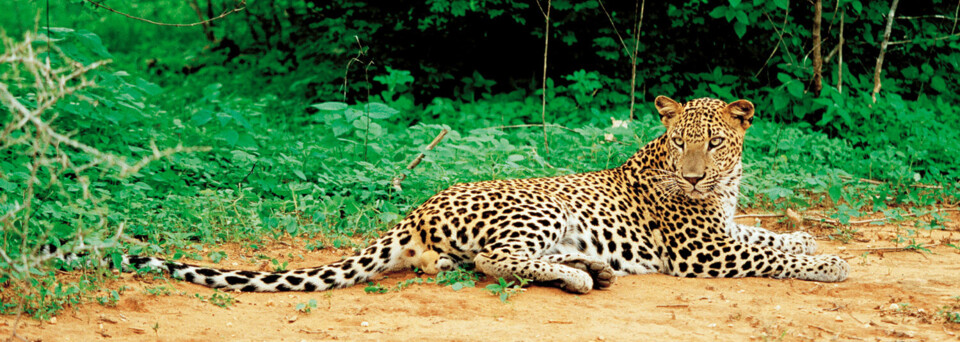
(891, 295)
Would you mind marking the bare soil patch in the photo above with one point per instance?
(890, 295)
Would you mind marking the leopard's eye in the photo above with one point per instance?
(715, 142)
(678, 142)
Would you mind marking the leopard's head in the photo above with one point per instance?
(703, 143)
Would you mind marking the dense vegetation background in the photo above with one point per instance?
(298, 117)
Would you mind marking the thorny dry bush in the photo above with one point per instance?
(46, 164)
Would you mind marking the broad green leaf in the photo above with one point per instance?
(202, 117)
(742, 18)
(352, 114)
(857, 6)
(938, 84)
(330, 106)
(230, 136)
(92, 41)
(795, 88)
(378, 110)
(835, 193)
(740, 28)
(717, 12)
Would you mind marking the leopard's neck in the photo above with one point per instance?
(650, 156)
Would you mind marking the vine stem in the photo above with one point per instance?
(883, 50)
(546, 44)
(241, 5)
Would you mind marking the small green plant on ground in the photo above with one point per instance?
(843, 234)
(110, 299)
(505, 289)
(307, 306)
(375, 288)
(159, 290)
(951, 312)
(278, 266)
(217, 298)
(457, 279)
(217, 256)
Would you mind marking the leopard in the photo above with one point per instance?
(669, 208)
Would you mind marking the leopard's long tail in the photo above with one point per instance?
(386, 254)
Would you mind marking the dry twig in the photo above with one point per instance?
(840, 57)
(779, 33)
(832, 221)
(817, 55)
(633, 62)
(416, 161)
(546, 44)
(241, 5)
(535, 125)
(893, 249)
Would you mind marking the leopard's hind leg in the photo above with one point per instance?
(512, 260)
(602, 273)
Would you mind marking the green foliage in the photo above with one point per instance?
(160, 290)
(457, 279)
(375, 288)
(221, 299)
(308, 306)
(951, 312)
(505, 289)
(278, 266)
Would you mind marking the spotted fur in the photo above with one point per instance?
(667, 209)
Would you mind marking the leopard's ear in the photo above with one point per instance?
(668, 108)
(739, 114)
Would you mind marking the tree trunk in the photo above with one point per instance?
(883, 49)
(817, 56)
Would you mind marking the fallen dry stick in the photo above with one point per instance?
(832, 221)
(894, 249)
(397, 180)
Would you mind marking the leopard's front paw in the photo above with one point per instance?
(827, 268)
(800, 243)
(600, 271)
(576, 281)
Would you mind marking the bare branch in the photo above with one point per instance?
(840, 58)
(241, 5)
(633, 61)
(923, 39)
(883, 50)
(615, 30)
(817, 56)
(932, 16)
(776, 47)
(416, 161)
(535, 125)
(546, 44)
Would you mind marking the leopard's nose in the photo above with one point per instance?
(693, 180)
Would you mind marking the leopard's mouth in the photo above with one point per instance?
(696, 194)
(699, 191)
